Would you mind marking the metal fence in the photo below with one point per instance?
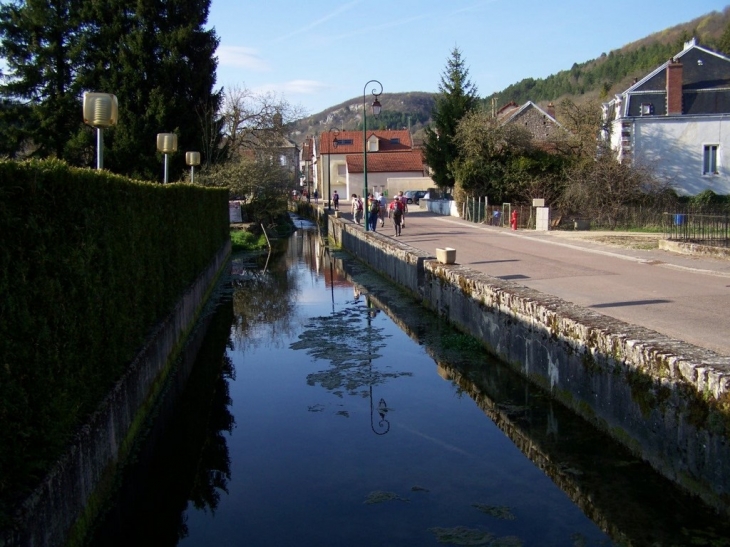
(703, 225)
(702, 228)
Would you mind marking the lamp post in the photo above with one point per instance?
(167, 144)
(192, 159)
(376, 112)
(100, 110)
(335, 142)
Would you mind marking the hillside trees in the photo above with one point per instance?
(157, 58)
(457, 97)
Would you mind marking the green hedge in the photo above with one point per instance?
(89, 262)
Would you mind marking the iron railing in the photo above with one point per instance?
(701, 228)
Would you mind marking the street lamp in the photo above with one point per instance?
(100, 110)
(376, 112)
(167, 144)
(335, 142)
(192, 159)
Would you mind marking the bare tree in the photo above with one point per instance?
(602, 188)
(253, 121)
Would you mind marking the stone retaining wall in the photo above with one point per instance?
(665, 400)
(72, 492)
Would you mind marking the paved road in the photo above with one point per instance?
(684, 297)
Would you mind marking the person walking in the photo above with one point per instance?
(316, 196)
(357, 208)
(383, 202)
(336, 201)
(395, 211)
(373, 212)
(404, 203)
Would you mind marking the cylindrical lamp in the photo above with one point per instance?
(100, 110)
(167, 144)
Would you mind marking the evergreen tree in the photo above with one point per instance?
(39, 42)
(160, 62)
(457, 97)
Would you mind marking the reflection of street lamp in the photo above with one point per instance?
(192, 159)
(383, 424)
(376, 112)
(167, 144)
(100, 110)
(335, 142)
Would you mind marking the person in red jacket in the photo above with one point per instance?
(395, 211)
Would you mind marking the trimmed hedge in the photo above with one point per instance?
(89, 262)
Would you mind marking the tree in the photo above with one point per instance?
(457, 98)
(253, 121)
(159, 59)
(40, 42)
(601, 188)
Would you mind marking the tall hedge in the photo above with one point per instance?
(89, 262)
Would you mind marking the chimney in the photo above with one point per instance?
(674, 88)
(551, 110)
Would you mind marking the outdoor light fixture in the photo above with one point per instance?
(100, 110)
(192, 159)
(167, 144)
(335, 142)
(376, 111)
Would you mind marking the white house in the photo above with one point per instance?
(340, 161)
(677, 120)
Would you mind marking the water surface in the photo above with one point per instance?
(333, 410)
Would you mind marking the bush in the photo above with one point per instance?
(89, 261)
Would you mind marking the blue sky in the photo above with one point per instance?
(319, 53)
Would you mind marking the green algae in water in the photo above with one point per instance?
(497, 511)
(461, 535)
(380, 496)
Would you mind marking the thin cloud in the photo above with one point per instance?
(241, 57)
(303, 87)
(318, 22)
(373, 29)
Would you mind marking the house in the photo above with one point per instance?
(390, 158)
(541, 124)
(677, 120)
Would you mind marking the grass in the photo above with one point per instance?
(241, 240)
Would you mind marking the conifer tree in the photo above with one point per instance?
(39, 42)
(457, 97)
(159, 60)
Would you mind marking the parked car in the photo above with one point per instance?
(413, 196)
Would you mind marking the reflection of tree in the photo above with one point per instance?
(263, 301)
(350, 342)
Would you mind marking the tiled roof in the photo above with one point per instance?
(386, 136)
(387, 162)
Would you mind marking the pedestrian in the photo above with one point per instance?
(357, 208)
(336, 200)
(373, 212)
(395, 211)
(383, 202)
(316, 196)
(404, 203)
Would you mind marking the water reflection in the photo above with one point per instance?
(318, 342)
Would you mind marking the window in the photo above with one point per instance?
(709, 164)
(283, 161)
(395, 140)
(341, 169)
(647, 109)
(342, 142)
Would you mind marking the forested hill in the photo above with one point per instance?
(598, 78)
(613, 72)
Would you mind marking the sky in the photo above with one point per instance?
(318, 53)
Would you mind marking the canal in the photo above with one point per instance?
(327, 408)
